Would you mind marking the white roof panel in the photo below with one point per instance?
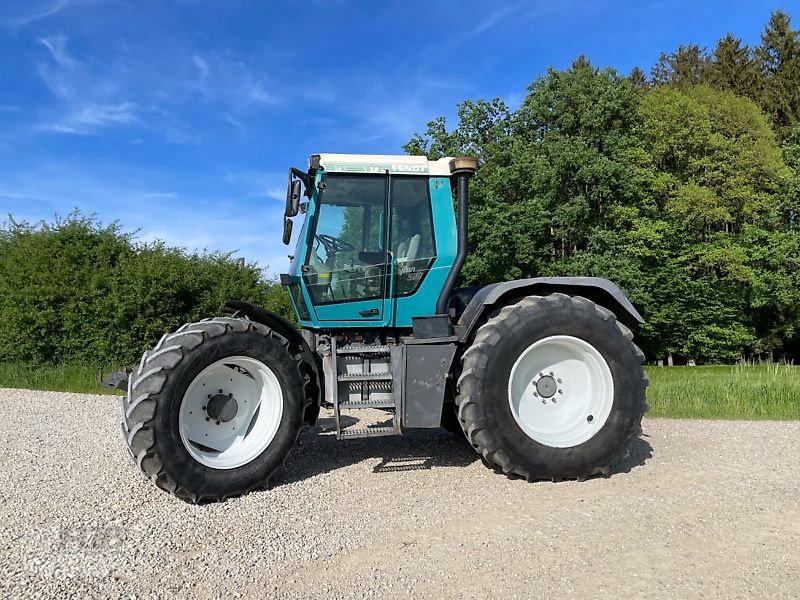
(380, 163)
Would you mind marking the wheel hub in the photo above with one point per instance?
(561, 391)
(222, 407)
(546, 386)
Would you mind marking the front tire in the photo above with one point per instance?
(215, 408)
(552, 388)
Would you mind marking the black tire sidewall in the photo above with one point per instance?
(533, 323)
(177, 461)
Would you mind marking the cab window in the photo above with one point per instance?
(413, 243)
(347, 259)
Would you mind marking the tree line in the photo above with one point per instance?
(682, 187)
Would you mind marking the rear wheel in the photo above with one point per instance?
(552, 388)
(215, 408)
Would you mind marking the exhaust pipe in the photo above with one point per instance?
(461, 169)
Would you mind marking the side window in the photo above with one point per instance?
(411, 232)
(347, 259)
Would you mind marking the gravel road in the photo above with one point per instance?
(699, 510)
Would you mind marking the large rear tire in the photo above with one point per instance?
(552, 388)
(215, 408)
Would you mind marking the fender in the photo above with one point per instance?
(280, 325)
(598, 290)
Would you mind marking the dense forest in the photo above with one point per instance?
(682, 187)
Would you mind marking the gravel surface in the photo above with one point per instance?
(700, 509)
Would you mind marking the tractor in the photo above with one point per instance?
(540, 375)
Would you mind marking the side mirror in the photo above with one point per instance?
(287, 230)
(293, 193)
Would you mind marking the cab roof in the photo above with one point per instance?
(381, 163)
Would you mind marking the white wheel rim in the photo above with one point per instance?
(223, 441)
(561, 391)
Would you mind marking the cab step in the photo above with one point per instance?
(367, 404)
(363, 350)
(365, 377)
(364, 432)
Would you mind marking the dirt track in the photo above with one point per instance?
(701, 509)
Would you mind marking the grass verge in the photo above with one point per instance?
(726, 392)
(58, 378)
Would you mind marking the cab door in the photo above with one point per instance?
(347, 270)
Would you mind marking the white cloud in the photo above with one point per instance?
(36, 10)
(123, 87)
(89, 118)
(220, 78)
(57, 45)
(259, 184)
(226, 224)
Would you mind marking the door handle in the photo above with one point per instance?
(368, 312)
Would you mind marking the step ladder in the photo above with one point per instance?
(359, 376)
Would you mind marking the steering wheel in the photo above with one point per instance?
(333, 245)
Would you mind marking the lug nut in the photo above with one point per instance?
(220, 391)
(209, 396)
(208, 418)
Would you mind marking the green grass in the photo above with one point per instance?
(737, 392)
(61, 378)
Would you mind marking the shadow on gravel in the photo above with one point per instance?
(320, 452)
(641, 452)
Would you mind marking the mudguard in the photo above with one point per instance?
(287, 330)
(598, 290)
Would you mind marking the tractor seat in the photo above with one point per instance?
(407, 251)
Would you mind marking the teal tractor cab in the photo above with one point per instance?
(539, 375)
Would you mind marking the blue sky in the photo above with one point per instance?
(180, 117)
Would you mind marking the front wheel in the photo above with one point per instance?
(214, 409)
(552, 388)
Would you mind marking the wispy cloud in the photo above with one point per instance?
(230, 223)
(147, 88)
(36, 10)
(259, 184)
(222, 79)
(89, 118)
(57, 45)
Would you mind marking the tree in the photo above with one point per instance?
(719, 169)
(779, 54)
(639, 79)
(688, 65)
(733, 67)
